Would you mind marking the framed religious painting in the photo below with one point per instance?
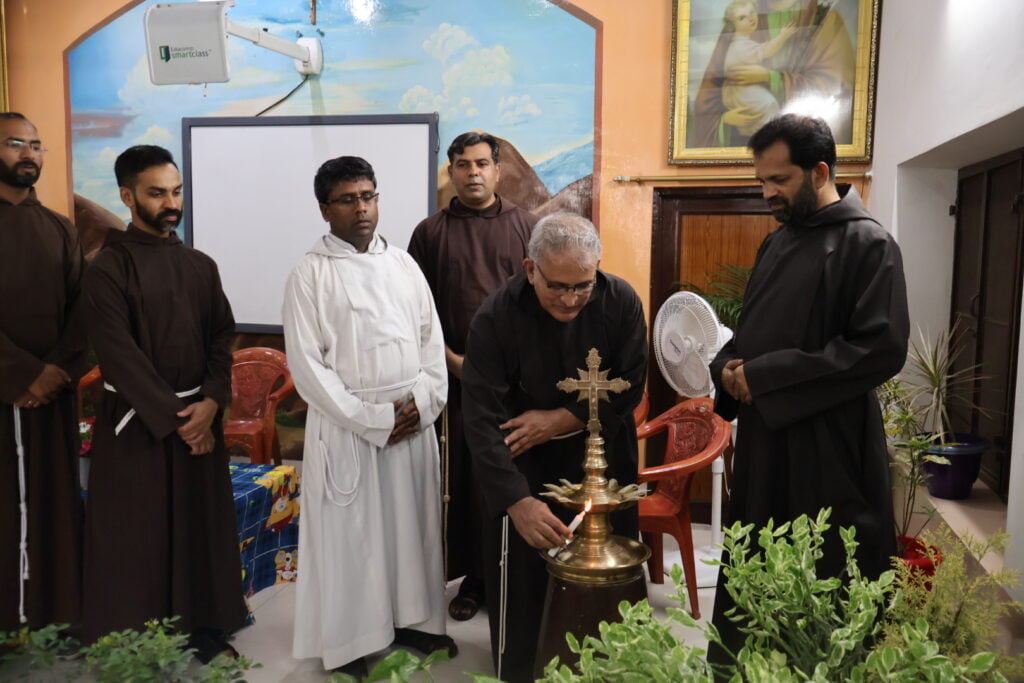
(738, 63)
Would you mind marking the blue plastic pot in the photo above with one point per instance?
(955, 480)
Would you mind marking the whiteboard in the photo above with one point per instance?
(249, 201)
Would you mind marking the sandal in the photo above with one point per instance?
(464, 607)
(425, 642)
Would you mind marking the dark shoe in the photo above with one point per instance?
(208, 644)
(425, 642)
(356, 669)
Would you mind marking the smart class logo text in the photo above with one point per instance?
(169, 52)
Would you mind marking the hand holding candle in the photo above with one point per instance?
(576, 521)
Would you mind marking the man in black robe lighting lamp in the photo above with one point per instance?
(824, 322)
(524, 433)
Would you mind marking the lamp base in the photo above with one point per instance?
(578, 608)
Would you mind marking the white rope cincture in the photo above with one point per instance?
(330, 486)
(131, 411)
(23, 507)
(503, 599)
(445, 486)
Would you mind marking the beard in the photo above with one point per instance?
(804, 203)
(21, 174)
(165, 221)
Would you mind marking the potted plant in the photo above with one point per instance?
(935, 383)
(910, 452)
(724, 290)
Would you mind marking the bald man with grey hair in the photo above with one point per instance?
(523, 432)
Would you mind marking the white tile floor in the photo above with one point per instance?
(269, 640)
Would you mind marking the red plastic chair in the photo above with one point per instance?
(87, 380)
(696, 436)
(255, 373)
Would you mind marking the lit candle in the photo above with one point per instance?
(576, 521)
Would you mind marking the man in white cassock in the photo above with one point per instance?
(366, 352)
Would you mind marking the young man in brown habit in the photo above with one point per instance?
(160, 536)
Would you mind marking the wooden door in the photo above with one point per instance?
(986, 301)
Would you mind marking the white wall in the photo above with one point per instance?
(950, 93)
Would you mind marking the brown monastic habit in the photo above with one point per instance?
(40, 274)
(160, 523)
(465, 255)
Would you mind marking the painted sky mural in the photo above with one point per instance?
(521, 69)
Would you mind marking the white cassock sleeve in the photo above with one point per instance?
(317, 383)
(431, 388)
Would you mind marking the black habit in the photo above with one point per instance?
(160, 536)
(41, 268)
(466, 255)
(824, 322)
(516, 353)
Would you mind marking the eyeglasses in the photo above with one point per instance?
(562, 288)
(350, 199)
(18, 145)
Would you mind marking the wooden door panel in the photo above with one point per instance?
(966, 297)
(1001, 308)
(986, 295)
(709, 241)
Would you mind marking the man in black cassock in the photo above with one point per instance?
(824, 322)
(42, 354)
(160, 536)
(523, 432)
(466, 251)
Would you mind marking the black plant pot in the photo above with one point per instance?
(954, 481)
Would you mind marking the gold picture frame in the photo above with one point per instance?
(4, 101)
(809, 56)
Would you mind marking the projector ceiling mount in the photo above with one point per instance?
(186, 42)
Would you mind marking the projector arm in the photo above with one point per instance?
(307, 53)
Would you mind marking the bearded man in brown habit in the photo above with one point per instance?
(42, 354)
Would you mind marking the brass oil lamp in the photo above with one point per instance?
(597, 569)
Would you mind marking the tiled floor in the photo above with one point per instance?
(269, 640)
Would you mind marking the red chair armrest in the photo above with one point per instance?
(714, 448)
(90, 378)
(286, 388)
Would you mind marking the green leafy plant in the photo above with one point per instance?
(918, 658)
(935, 383)
(398, 667)
(637, 648)
(159, 653)
(800, 627)
(724, 289)
(42, 648)
(824, 627)
(909, 454)
(961, 606)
